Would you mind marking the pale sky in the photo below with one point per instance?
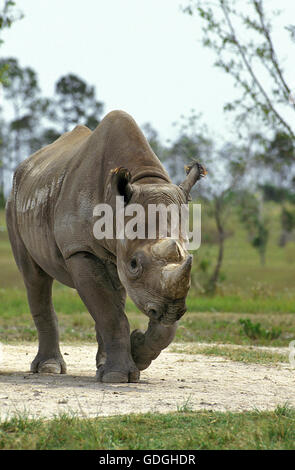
(143, 56)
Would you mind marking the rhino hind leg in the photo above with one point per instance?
(104, 298)
(39, 292)
(48, 359)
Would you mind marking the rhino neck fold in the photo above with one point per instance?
(149, 172)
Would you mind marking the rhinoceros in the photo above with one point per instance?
(50, 224)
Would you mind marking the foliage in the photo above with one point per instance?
(255, 330)
(8, 15)
(242, 39)
(37, 121)
(191, 143)
(252, 215)
(154, 140)
(277, 193)
(75, 103)
(28, 109)
(288, 219)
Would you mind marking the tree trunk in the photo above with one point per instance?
(262, 257)
(217, 215)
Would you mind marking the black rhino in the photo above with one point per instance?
(50, 224)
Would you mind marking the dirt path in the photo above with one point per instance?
(172, 382)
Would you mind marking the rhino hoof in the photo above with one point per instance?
(116, 376)
(50, 366)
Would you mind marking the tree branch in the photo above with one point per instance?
(274, 59)
(251, 72)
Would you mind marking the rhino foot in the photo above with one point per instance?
(141, 355)
(48, 366)
(114, 376)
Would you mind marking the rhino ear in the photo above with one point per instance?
(194, 172)
(120, 182)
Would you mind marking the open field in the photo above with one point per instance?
(262, 294)
(247, 287)
(226, 379)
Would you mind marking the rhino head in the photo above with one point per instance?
(155, 272)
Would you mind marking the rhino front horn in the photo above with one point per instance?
(194, 172)
(176, 278)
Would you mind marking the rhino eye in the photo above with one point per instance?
(135, 267)
(133, 264)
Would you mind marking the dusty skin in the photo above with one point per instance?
(173, 382)
(49, 216)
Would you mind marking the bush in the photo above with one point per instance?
(255, 331)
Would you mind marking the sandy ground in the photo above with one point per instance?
(172, 382)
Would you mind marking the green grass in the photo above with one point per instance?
(266, 293)
(199, 430)
(280, 303)
(242, 354)
(247, 287)
(262, 294)
(243, 273)
(226, 328)
(76, 324)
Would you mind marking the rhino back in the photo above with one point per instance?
(56, 189)
(37, 184)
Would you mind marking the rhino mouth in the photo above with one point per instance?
(166, 317)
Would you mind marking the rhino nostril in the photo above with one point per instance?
(152, 313)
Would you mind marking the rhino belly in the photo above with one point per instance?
(35, 226)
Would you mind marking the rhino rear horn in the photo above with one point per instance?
(194, 171)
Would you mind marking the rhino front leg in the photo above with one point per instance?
(104, 302)
(145, 347)
(101, 354)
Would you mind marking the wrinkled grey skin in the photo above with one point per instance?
(50, 224)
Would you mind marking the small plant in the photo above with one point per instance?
(284, 410)
(255, 330)
(186, 407)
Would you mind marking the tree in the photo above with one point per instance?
(242, 39)
(277, 154)
(253, 217)
(8, 15)
(28, 108)
(225, 164)
(226, 170)
(4, 160)
(279, 178)
(153, 139)
(191, 143)
(288, 225)
(76, 103)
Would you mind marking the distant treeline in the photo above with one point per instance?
(242, 174)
